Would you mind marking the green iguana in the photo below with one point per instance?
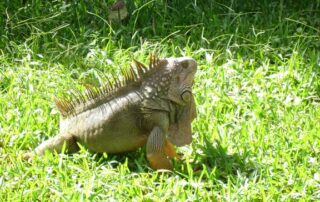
(152, 106)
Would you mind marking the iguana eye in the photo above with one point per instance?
(185, 64)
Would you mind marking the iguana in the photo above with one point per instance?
(152, 106)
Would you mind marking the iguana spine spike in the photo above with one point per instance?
(133, 73)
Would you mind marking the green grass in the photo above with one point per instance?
(257, 134)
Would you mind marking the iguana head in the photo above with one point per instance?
(170, 78)
(182, 70)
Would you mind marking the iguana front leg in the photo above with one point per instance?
(159, 150)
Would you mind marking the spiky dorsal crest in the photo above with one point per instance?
(95, 96)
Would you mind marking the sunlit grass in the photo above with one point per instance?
(256, 137)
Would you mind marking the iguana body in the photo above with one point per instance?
(153, 106)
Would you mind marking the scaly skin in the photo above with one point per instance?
(157, 113)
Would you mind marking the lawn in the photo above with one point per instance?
(257, 90)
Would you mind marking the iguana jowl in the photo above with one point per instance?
(152, 106)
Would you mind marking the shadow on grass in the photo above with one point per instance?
(221, 164)
(215, 159)
(136, 160)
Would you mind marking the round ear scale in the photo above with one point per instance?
(186, 96)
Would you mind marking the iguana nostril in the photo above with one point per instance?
(186, 96)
